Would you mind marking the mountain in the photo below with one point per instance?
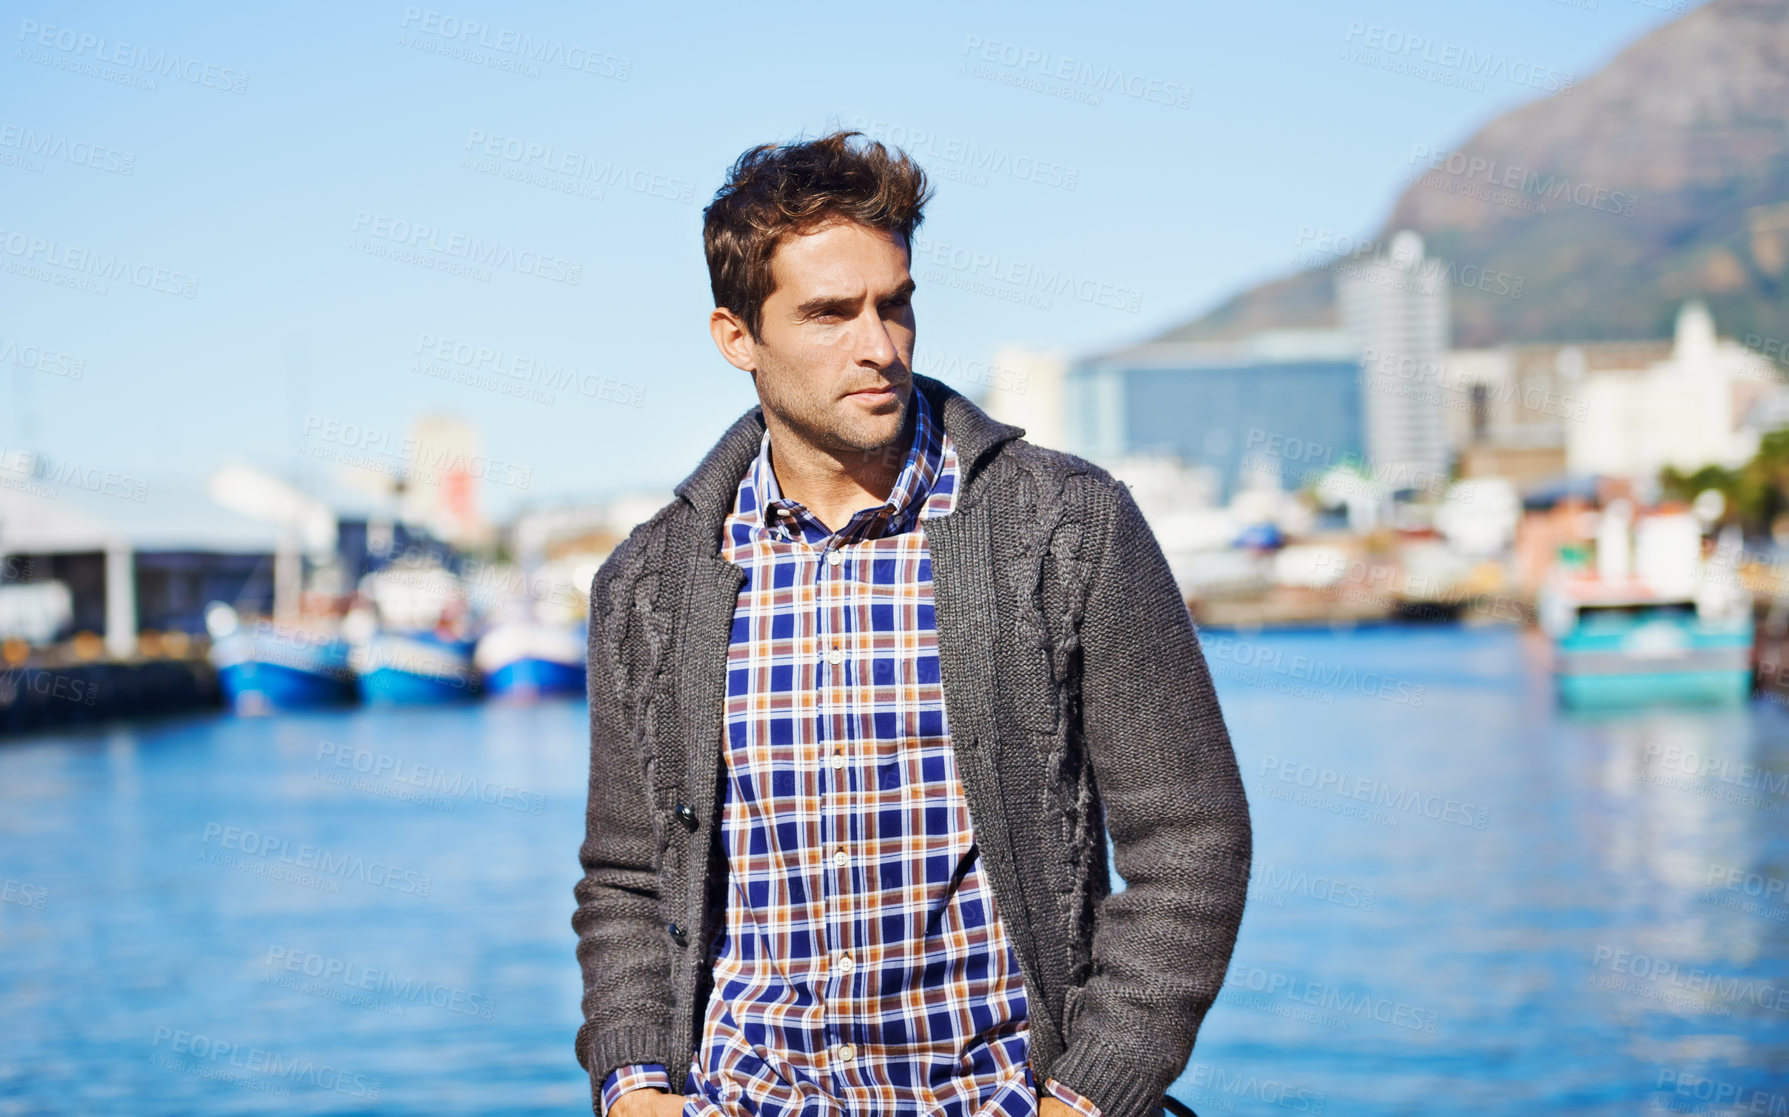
(1663, 176)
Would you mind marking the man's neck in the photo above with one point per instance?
(834, 486)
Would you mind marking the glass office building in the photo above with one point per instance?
(1285, 402)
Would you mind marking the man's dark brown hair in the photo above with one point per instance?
(773, 192)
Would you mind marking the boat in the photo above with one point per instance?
(415, 668)
(412, 636)
(1648, 627)
(522, 660)
(534, 645)
(269, 667)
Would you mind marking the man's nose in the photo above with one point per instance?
(874, 346)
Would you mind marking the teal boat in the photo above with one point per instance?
(1647, 651)
(1631, 637)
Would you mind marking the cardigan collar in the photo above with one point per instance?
(712, 485)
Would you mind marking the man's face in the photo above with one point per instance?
(835, 349)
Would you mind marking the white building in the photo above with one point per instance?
(1396, 307)
(1688, 410)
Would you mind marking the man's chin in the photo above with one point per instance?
(871, 433)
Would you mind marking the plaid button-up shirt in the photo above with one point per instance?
(863, 968)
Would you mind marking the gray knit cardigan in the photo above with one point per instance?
(1078, 703)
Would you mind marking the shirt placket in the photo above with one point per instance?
(832, 758)
(803, 541)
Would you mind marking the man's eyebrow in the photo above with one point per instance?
(833, 302)
(824, 302)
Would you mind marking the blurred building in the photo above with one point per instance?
(1024, 387)
(591, 528)
(1617, 409)
(1706, 403)
(1508, 409)
(1284, 401)
(442, 474)
(126, 558)
(1395, 306)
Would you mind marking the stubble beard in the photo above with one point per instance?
(825, 423)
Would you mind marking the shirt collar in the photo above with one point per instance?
(919, 471)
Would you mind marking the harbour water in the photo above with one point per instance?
(1465, 901)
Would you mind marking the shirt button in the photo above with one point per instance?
(838, 760)
(845, 963)
(834, 558)
(835, 656)
(846, 1053)
(841, 859)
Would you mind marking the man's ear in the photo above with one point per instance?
(732, 339)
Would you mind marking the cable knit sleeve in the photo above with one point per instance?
(1178, 819)
(626, 968)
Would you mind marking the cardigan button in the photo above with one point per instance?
(686, 815)
(679, 935)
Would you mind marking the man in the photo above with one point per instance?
(866, 698)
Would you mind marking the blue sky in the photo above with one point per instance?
(1162, 156)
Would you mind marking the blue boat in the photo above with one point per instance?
(415, 668)
(273, 667)
(526, 660)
